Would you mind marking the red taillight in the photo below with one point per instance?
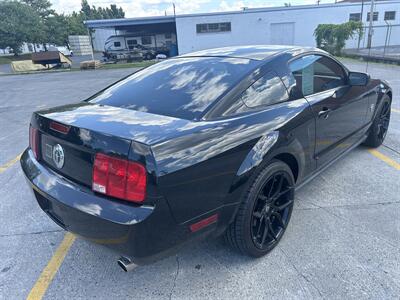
(136, 181)
(100, 173)
(34, 140)
(119, 178)
(59, 127)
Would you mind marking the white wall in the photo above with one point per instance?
(99, 38)
(253, 26)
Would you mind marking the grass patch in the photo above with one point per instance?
(4, 60)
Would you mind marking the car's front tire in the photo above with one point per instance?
(264, 212)
(380, 125)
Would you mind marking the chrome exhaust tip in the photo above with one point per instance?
(126, 264)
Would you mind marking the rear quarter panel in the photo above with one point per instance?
(198, 171)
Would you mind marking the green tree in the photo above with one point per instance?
(86, 10)
(48, 18)
(333, 37)
(75, 24)
(36, 22)
(19, 23)
(116, 13)
(57, 29)
(42, 7)
(95, 13)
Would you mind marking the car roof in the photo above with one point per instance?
(255, 52)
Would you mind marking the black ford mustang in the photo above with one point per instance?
(206, 143)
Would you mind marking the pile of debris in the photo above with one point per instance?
(90, 64)
(42, 61)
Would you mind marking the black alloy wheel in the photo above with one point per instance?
(383, 123)
(272, 210)
(264, 212)
(380, 126)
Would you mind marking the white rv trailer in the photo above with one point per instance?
(132, 44)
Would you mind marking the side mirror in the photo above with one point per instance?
(357, 78)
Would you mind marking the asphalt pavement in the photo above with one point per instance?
(343, 240)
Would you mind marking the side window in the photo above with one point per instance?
(267, 90)
(315, 73)
(131, 44)
(117, 44)
(146, 40)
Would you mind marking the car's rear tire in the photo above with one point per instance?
(380, 125)
(264, 212)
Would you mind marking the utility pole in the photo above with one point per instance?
(370, 30)
(362, 23)
(173, 4)
(91, 41)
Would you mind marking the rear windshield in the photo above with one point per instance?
(180, 87)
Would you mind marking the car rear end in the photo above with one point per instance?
(91, 164)
(100, 187)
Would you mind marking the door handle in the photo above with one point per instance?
(324, 113)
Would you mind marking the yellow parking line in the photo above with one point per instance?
(41, 285)
(396, 110)
(386, 159)
(9, 164)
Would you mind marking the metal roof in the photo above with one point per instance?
(129, 21)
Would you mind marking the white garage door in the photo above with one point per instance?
(282, 33)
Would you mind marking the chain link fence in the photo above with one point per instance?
(384, 44)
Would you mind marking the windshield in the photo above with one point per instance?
(181, 87)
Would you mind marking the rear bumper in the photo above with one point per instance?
(144, 233)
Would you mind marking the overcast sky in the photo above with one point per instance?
(142, 8)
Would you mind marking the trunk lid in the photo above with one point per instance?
(93, 128)
(139, 126)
